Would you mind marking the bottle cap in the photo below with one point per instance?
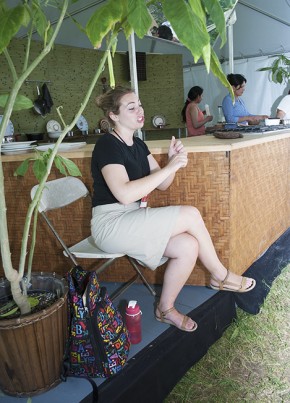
(132, 304)
(132, 308)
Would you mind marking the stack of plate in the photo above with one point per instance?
(19, 147)
(63, 147)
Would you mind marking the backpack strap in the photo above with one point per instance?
(95, 394)
(74, 275)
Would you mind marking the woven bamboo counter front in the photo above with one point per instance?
(241, 187)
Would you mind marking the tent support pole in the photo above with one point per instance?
(231, 48)
(133, 70)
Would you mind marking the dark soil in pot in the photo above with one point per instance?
(39, 300)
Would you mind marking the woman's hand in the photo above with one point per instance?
(255, 120)
(177, 155)
(178, 161)
(175, 147)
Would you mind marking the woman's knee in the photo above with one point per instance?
(190, 212)
(183, 246)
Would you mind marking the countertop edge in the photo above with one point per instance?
(206, 143)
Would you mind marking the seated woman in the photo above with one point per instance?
(125, 173)
(237, 112)
(192, 115)
(283, 109)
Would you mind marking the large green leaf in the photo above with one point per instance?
(10, 22)
(71, 167)
(216, 69)
(21, 102)
(103, 20)
(206, 55)
(23, 167)
(216, 13)
(188, 26)
(41, 23)
(124, 22)
(198, 9)
(39, 168)
(59, 165)
(139, 17)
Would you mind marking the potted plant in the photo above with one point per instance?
(279, 70)
(20, 373)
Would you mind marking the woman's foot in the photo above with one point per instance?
(175, 318)
(233, 282)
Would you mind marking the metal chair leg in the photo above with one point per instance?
(134, 264)
(123, 288)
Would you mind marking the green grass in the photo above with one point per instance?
(250, 362)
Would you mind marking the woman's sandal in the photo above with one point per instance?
(226, 285)
(162, 318)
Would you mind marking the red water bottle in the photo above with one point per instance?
(133, 322)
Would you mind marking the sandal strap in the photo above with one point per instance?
(225, 279)
(164, 313)
(239, 286)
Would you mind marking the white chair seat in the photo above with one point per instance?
(88, 249)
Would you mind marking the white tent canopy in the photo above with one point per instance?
(261, 28)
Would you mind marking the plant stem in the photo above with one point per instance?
(11, 274)
(33, 205)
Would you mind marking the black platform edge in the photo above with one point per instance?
(153, 372)
(264, 271)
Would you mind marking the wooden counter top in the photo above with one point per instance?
(206, 143)
(209, 143)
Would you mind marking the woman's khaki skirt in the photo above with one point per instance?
(142, 233)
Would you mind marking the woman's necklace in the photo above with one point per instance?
(117, 134)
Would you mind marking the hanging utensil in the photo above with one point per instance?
(39, 104)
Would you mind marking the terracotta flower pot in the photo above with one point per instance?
(32, 346)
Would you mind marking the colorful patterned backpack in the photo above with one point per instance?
(98, 342)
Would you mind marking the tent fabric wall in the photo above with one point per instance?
(261, 95)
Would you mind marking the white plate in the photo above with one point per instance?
(82, 124)
(63, 147)
(53, 126)
(18, 144)
(9, 128)
(17, 151)
(158, 120)
(16, 148)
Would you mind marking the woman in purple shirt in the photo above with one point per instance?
(237, 112)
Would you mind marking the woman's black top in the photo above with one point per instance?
(110, 150)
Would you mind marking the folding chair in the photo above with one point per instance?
(61, 192)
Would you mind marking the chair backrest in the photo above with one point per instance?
(60, 192)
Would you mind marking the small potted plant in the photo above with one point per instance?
(279, 70)
(29, 365)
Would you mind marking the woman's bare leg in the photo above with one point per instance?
(182, 250)
(190, 221)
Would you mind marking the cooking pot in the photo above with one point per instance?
(39, 104)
